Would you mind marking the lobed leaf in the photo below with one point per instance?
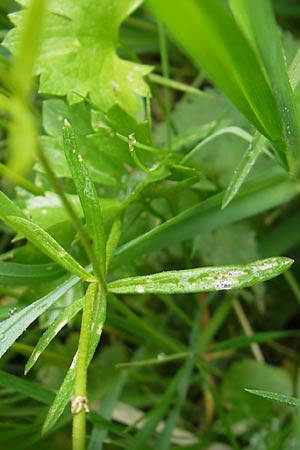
(204, 279)
(85, 35)
(48, 245)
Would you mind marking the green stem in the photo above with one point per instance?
(166, 75)
(79, 402)
(20, 181)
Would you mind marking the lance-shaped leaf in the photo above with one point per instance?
(66, 390)
(88, 197)
(14, 326)
(9, 208)
(61, 320)
(48, 245)
(27, 274)
(276, 397)
(204, 279)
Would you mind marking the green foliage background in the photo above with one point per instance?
(135, 139)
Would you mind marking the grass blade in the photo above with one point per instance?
(48, 245)
(9, 208)
(248, 160)
(204, 279)
(211, 36)
(276, 397)
(260, 194)
(14, 326)
(61, 320)
(88, 198)
(257, 18)
(26, 274)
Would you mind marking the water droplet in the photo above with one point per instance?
(43, 212)
(223, 285)
(161, 356)
(80, 159)
(2, 337)
(236, 273)
(115, 86)
(136, 68)
(52, 410)
(148, 279)
(12, 311)
(140, 289)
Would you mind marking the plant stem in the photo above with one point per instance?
(79, 402)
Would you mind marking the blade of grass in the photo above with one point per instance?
(210, 35)
(257, 19)
(26, 274)
(240, 174)
(42, 240)
(260, 194)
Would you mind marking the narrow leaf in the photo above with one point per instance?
(88, 196)
(203, 279)
(9, 208)
(257, 18)
(48, 245)
(248, 160)
(12, 328)
(27, 274)
(212, 38)
(61, 320)
(263, 192)
(276, 397)
(66, 390)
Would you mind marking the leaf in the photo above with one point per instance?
(258, 21)
(260, 194)
(211, 37)
(85, 35)
(42, 240)
(204, 279)
(248, 160)
(26, 388)
(14, 326)
(15, 274)
(88, 198)
(276, 397)
(64, 394)
(9, 208)
(61, 320)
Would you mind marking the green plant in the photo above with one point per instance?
(105, 204)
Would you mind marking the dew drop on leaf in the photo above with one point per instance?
(12, 311)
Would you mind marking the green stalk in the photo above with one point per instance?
(166, 74)
(79, 405)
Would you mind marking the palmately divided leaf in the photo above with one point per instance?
(78, 53)
(203, 279)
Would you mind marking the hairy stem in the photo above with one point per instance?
(79, 405)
